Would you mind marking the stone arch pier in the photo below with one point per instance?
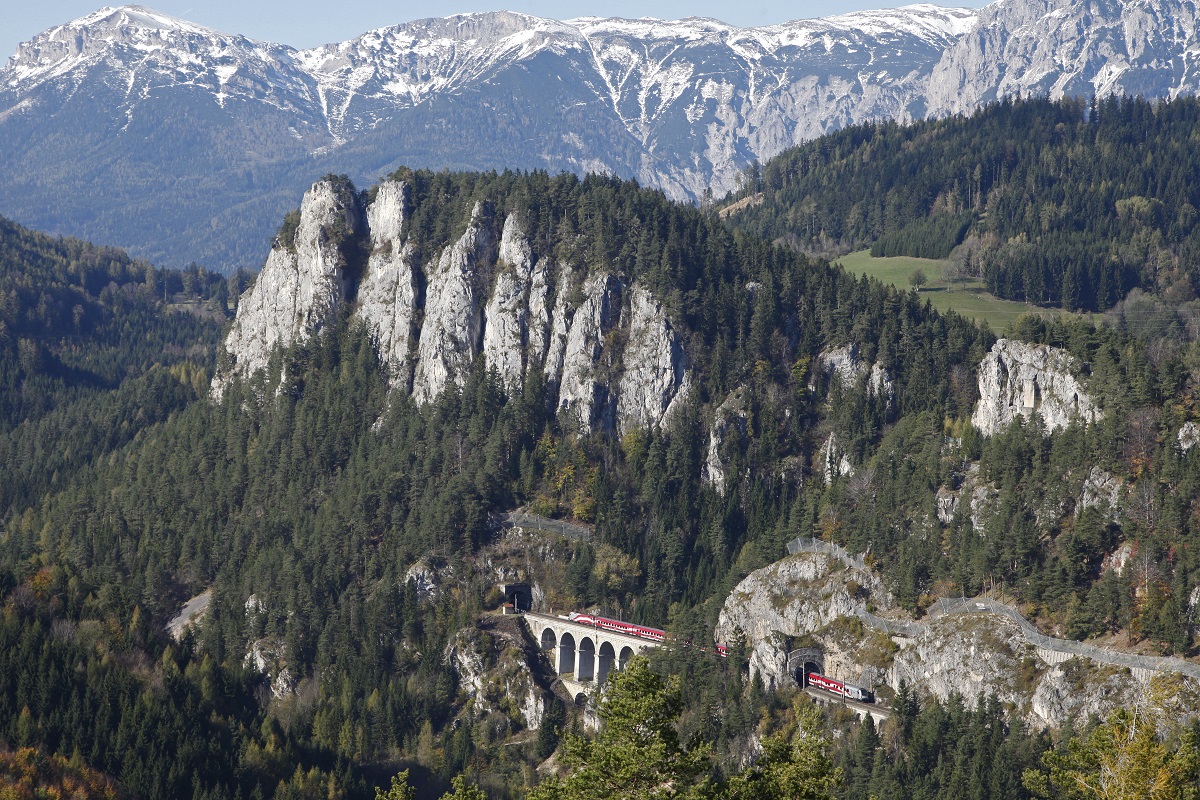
(583, 655)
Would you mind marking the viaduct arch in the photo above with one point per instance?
(583, 655)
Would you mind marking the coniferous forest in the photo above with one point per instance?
(1073, 202)
(303, 498)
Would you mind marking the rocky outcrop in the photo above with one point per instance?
(1188, 436)
(609, 355)
(797, 596)
(495, 667)
(817, 600)
(192, 614)
(845, 366)
(506, 316)
(540, 300)
(584, 401)
(427, 578)
(266, 656)
(1019, 380)
(389, 295)
(558, 327)
(984, 498)
(299, 287)
(729, 421)
(1101, 490)
(880, 384)
(947, 505)
(453, 325)
(975, 655)
(656, 377)
(834, 460)
(1117, 559)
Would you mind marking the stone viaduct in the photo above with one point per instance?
(583, 655)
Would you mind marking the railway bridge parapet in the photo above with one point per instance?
(583, 655)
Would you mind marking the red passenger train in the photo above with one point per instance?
(840, 688)
(629, 629)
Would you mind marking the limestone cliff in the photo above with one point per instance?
(540, 300)
(610, 357)
(583, 397)
(506, 318)
(835, 462)
(558, 325)
(450, 335)
(819, 600)
(1188, 436)
(1019, 380)
(656, 377)
(1101, 490)
(389, 295)
(799, 595)
(845, 366)
(299, 287)
(729, 422)
(497, 671)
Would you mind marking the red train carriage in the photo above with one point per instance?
(840, 688)
(630, 629)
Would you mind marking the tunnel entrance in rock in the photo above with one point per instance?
(803, 662)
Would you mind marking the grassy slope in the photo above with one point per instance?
(968, 299)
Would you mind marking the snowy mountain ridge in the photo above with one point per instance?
(396, 67)
(100, 115)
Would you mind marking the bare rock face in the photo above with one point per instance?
(656, 378)
(192, 615)
(300, 285)
(947, 505)
(558, 326)
(845, 366)
(583, 396)
(880, 384)
(1189, 436)
(1062, 48)
(494, 671)
(836, 463)
(1117, 559)
(450, 335)
(798, 595)
(427, 579)
(506, 316)
(1019, 379)
(540, 299)
(610, 358)
(267, 656)
(1102, 490)
(1070, 690)
(730, 420)
(388, 297)
(970, 655)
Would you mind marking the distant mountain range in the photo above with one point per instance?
(182, 143)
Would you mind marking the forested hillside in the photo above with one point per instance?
(1065, 203)
(309, 496)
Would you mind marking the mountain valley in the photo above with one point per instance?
(268, 533)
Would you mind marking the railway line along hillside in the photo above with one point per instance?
(821, 596)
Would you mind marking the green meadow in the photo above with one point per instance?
(968, 298)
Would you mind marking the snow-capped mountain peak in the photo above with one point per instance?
(134, 17)
(682, 105)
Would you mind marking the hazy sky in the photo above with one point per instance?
(306, 23)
